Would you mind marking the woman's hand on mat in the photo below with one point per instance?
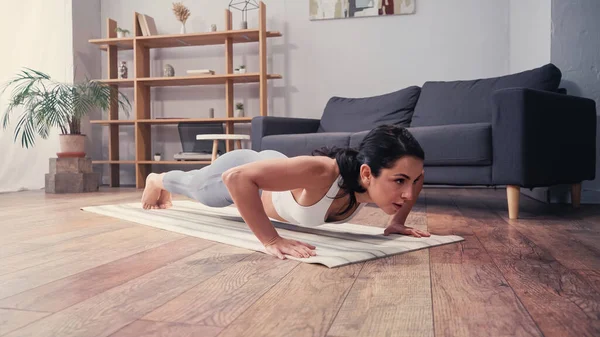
(401, 229)
(280, 246)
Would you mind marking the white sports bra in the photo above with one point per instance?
(309, 216)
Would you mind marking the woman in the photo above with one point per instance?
(331, 186)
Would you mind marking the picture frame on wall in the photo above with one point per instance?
(343, 9)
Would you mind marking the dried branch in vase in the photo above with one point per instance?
(181, 12)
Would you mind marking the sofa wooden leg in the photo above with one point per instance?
(576, 195)
(512, 195)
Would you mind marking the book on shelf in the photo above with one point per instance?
(147, 25)
(200, 72)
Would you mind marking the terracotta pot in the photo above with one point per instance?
(71, 146)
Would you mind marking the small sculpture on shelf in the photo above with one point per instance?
(123, 70)
(243, 6)
(182, 14)
(213, 28)
(121, 33)
(211, 113)
(239, 110)
(168, 70)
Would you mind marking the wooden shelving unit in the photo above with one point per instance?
(141, 82)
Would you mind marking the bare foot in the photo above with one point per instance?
(151, 191)
(164, 201)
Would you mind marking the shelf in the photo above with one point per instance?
(201, 39)
(110, 122)
(126, 82)
(175, 162)
(195, 120)
(202, 80)
(113, 162)
(121, 43)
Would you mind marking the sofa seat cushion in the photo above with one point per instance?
(357, 114)
(304, 143)
(470, 101)
(450, 145)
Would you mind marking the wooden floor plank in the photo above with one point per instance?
(559, 300)
(40, 241)
(304, 303)
(11, 319)
(74, 249)
(127, 242)
(164, 329)
(17, 248)
(575, 243)
(22, 229)
(104, 314)
(222, 298)
(63, 293)
(468, 288)
(391, 296)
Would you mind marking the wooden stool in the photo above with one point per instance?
(217, 137)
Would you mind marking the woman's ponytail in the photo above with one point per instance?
(349, 163)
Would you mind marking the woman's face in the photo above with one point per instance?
(394, 186)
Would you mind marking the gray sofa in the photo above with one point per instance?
(518, 130)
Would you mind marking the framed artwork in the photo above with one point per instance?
(342, 9)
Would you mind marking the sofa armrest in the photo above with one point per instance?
(263, 126)
(542, 138)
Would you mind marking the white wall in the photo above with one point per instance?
(530, 28)
(87, 60)
(318, 59)
(35, 34)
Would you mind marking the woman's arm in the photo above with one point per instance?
(244, 182)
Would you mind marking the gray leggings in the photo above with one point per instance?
(205, 185)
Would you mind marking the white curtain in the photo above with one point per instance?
(36, 34)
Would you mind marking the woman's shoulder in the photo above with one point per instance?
(322, 165)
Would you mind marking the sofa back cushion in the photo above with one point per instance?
(358, 114)
(459, 102)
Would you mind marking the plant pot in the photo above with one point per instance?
(120, 35)
(157, 157)
(242, 70)
(71, 146)
(239, 112)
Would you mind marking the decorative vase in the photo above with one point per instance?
(123, 70)
(211, 113)
(239, 112)
(168, 70)
(71, 146)
(182, 30)
(244, 25)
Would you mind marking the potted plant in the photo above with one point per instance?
(236, 70)
(239, 110)
(157, 156)
(121, 33)
(242, 69)
(45, 104)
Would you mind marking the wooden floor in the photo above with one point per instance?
(65, 272)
